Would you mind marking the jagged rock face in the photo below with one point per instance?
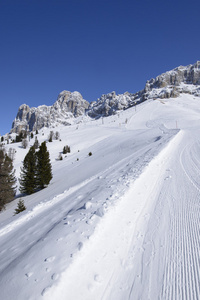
(167, 85)
(67, 105)
(175, 78)
(188, 75)
(72, 105)
(70, 102)
(172, 83)
(25, 116)
(110, 103)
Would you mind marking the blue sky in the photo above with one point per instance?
(89, 46)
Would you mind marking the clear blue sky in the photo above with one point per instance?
(90, 46)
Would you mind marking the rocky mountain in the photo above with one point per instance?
(109, 104)
(169, 84)
(68, 105)
(172, 83)
(72, 105)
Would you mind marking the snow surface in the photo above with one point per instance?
(120, 224)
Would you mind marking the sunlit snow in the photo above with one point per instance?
(120, 224)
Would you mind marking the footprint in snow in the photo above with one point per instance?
(168, 177)
(97, 278)
(29, 274)
(67, 223)
(48, 269)
(59, 239)
(49, 259)
(54, 276)
(80, 246)
(45, 290)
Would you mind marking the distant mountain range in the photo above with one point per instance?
(70, 107)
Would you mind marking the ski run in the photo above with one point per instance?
(120, 224)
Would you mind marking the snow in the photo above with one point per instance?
(120, 224)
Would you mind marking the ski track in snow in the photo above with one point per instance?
(129, 230)
(44, 205)
(182, 277)
(115, 253)
(141, 158)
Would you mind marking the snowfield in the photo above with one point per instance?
(120, 224)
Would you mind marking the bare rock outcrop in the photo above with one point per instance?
(67, 105)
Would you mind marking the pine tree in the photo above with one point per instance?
(28, 183)
(51, 136)
(66, 149)
(44, 173)
(36, 143)
(7, 179)
(18, 139)
(24, 143)
(60, 156)
(57, 135)
(20, 207)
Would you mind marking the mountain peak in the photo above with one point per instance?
(69, 105)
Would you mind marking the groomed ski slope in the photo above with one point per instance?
(121, 224)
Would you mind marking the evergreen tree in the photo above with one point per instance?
(57, 135)
(18, 139)
(20, 207)
(7, 179)
(36, 143)
(60, 156)
(44, 173)
(28, 183)
(11, 153)
(24, 143)
(51, 136)
(66, 149)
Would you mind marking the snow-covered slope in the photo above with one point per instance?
(70, 106)
(120, 224)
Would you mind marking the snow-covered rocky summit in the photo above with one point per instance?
(67, 105)
(72, 105)
(109, 104)
(172, 83)
(169, 84)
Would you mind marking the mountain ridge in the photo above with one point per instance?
(71, 105)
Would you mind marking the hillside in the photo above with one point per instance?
(120, 224)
